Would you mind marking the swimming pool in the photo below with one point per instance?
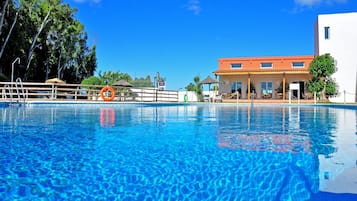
(177, 152)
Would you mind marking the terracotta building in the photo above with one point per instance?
(263, 77)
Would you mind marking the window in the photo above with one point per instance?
(327, 32)
(236, 65)
(236, 86)
(267, 89)
(266, 65)
(298, 64)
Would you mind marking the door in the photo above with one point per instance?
(267, 89)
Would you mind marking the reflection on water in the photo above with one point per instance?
(247, 151)
(338, 168)
(107, 117)
(265, 142)
(327, 134)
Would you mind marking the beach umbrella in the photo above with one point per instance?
(55, 80)
(209, 81)
(122, 83)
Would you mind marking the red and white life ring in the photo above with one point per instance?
(104, 91)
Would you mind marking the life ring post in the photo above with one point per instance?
(105, 91)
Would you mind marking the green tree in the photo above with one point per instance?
(109, 77)
(190, 87)
(6, 6)
(48, 39)
(39, 14)
(83, 66)
(196, 87)
(8, 21)
(92, 80)
(321, 69)
(3, 8)
(142, 82)
(67, 53)
(331, 88)
(315, 85)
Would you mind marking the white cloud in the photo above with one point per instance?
(310, 3)
(87, 1)
(194, 6)
(307, 2)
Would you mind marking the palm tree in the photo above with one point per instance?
(197, 87)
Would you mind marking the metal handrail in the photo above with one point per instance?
(17, 82)
(6, 86)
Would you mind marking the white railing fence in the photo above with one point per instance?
(56, 91)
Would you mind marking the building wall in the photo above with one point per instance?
(250, 68)
(341, 44)
(227, 81)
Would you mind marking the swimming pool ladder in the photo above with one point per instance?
(20, 91)
(17, 83)
(3, 93)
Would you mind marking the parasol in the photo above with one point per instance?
(122, 83)
(55, 80)
(209, 81)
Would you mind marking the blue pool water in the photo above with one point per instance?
(177, 152)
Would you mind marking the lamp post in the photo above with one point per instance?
(157, 84)
(12, 72)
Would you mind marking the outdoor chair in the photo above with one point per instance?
(307, 96)
(267, 96)
(233, 96)
(218, 98)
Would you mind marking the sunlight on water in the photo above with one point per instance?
(177, 152)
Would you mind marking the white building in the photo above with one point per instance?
(337, 34)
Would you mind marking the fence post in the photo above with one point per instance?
(156, 94)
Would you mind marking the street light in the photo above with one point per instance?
(12, 68)
(157, 84)
(12, 72)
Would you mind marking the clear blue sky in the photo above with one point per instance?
(184, 38)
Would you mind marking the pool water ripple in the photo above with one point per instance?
(192, 152)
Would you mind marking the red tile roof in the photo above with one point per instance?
(280, 64)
